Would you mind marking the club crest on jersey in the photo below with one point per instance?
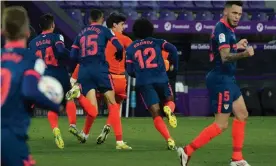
(222, 38)
(226, 106)
(61, 38)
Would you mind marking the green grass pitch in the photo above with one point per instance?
(149, 148)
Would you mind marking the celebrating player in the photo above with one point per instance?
(20, 74)
(145, 62)
(88, 49)
(116, 23)
(50, 47)
(224, 93)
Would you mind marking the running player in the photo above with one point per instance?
(224, 93)
(20, 73)
(50, 47)
(145, 62)
(88, 49)
(116, 22)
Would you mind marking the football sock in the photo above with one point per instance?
(161, 127)
(115, 120)
(53, 119)
(89, 120)
(88, 106)
(92, 113)
(203, 138)
(108, 121)
(238, 139)
(171, 105)
(71, 110)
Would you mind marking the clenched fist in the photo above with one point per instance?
(250, 51)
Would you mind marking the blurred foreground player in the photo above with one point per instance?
(145, 62)
(20, 74)
(89, 50)
(224, 93)
(50, 47)
(115, 22)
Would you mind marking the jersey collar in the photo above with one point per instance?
(95, 23)
(222, 20)
(15, 44)
(46, 32)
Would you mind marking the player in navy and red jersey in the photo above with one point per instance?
(115, 22)
(224, 93)
(50, 47)
(20, 73)
(145, 62)
(89, 50)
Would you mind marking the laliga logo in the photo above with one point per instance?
(198, 26)
(168, 26)
(260, 27)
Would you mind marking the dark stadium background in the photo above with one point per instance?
(256, 76)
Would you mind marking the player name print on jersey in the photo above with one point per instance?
(141, 43)
(11, 56)
(42, 42)
(90, 28)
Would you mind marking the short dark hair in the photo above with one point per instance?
(95, 14)
(142, 28)
(15, 23)
(231, 3)
(46, 21)
(114, 18)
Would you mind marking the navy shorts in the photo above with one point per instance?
(14, 150)
(64, 79)
(154, 93)
(222, 94)
(91, 78)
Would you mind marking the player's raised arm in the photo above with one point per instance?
(173, 57)
(113, 39)
(61, 47)
(226, 56)
(129, 64)
(30, 87)
(224, 48)
(74, 53)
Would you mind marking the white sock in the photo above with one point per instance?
(86, 136)
(120, 142)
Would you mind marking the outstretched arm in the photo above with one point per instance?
(30, 87)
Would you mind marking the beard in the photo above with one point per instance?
(229, 22)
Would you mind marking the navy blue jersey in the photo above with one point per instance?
(146, 61)
(223, 36)
(91, 43)
(49, 47)
(17, 64)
